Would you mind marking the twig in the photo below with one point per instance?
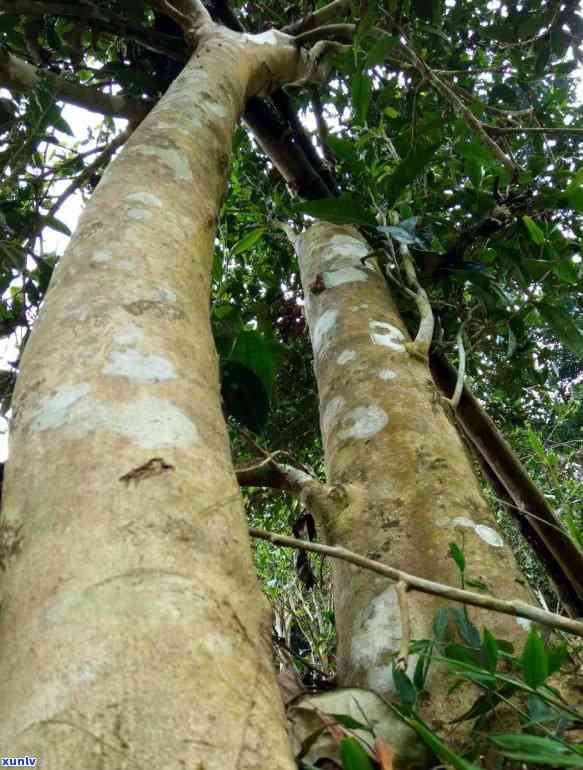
(473, 122)
(403, 657)
(331, 32)
(329, 13)
(515, 608)
(559, 130)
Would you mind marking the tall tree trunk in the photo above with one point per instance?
(133, 633)
(389, 440)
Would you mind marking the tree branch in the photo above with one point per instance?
(20, 76)
(560, 556)
(326, 15)
(515, 608)
(472, 121)
(558, 130)
(153, 41)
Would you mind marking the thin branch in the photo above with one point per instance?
(558, 130)
(103, 158)
(515, 607)
(402, 661)
(472, 121)
(326, 15)
(343, 32)
(19, 76)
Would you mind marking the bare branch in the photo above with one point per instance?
(552, 130)
(343, 32)
(20, 76)
(515, 608)
(326, 15)
(403, 657)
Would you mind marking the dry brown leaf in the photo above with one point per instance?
(385, 753)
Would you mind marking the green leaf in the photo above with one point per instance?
(243, 395)
(475, 151)
(259, 354)
(439, 747)
(538, 750)
(343, 149)
(354, 757)
(536, 234)
(380, 50)
(534, 659)
(574, 195)
(566, 270)
(399, 234)
(489, 651)
(557, 655)
(56, 224)
(457, 555)
(457, 653)
(247, 243)
(405, 688)
(441, 624)
(563, 326)
(408, 170)
(361, 96)
(468, 631)
(346, 208)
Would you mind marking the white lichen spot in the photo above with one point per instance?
(166, 295)
(138, 367)
(380, 679)
(524, 623)
(366, 421)
(376, 634)
(140, 215)
(102, 255)
(387, 374)
(146, 198)
(346, 357)
(342, 276)
(356, 308)
(347, 246)
(131, 335)
(463, 521)
(54, 411)
(176, 161)
(322, 329)
(387, 335)
(125, 264)
(152, 423)
(489, 535)
(331, 413)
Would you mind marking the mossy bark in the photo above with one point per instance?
(133, 633)
(390, 440)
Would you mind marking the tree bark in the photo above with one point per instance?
(133, 633)
(391, 443)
